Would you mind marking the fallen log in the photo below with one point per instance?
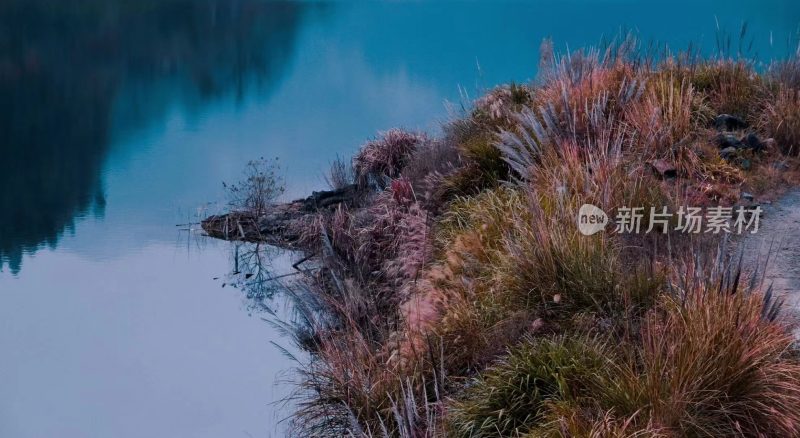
(282, 224)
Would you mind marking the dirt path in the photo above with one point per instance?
(780, 230)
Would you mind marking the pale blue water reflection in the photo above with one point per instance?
(120, 119)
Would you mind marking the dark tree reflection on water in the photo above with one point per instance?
(72, 74)
(253, 271)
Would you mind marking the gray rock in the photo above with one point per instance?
(745, 164)
(728, 140)
(751, 141)
(747, 196)
(728, 153)
(727, 122)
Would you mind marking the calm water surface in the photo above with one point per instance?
(120, 119)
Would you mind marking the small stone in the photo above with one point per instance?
(557, 298)
(752, 141)
(745, 164)
(728, 153)
(747, 196)
(727, 122)
(728, 140)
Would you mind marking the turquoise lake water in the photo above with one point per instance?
(120, 120)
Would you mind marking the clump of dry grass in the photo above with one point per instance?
(781, 120)
(498, 106)
(786, 73)
(716, 359)
(432, 163)
(670, 115)
(385, 157)
(346, 389)
(341, 174)
(731, 87)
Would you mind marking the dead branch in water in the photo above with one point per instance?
(281, 224)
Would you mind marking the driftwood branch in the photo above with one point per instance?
(282, 224)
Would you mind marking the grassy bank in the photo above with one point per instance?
(463, 301)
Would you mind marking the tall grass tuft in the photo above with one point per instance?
(731, 86)
(384, 158)
(341, 174)
(781, 120)
(511, 397)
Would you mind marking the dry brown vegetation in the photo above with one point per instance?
(463, 301)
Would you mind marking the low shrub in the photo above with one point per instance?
(262, 184)
(385, 157)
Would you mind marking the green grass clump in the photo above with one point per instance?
(483, 164)
(511, 396)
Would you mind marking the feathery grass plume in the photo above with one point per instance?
(413, 250)
(581, 85)
(392, 225)
(781, 120)
(586, 114)
(430, 164)
(498, 105)
(349, 386)
(385, 157)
